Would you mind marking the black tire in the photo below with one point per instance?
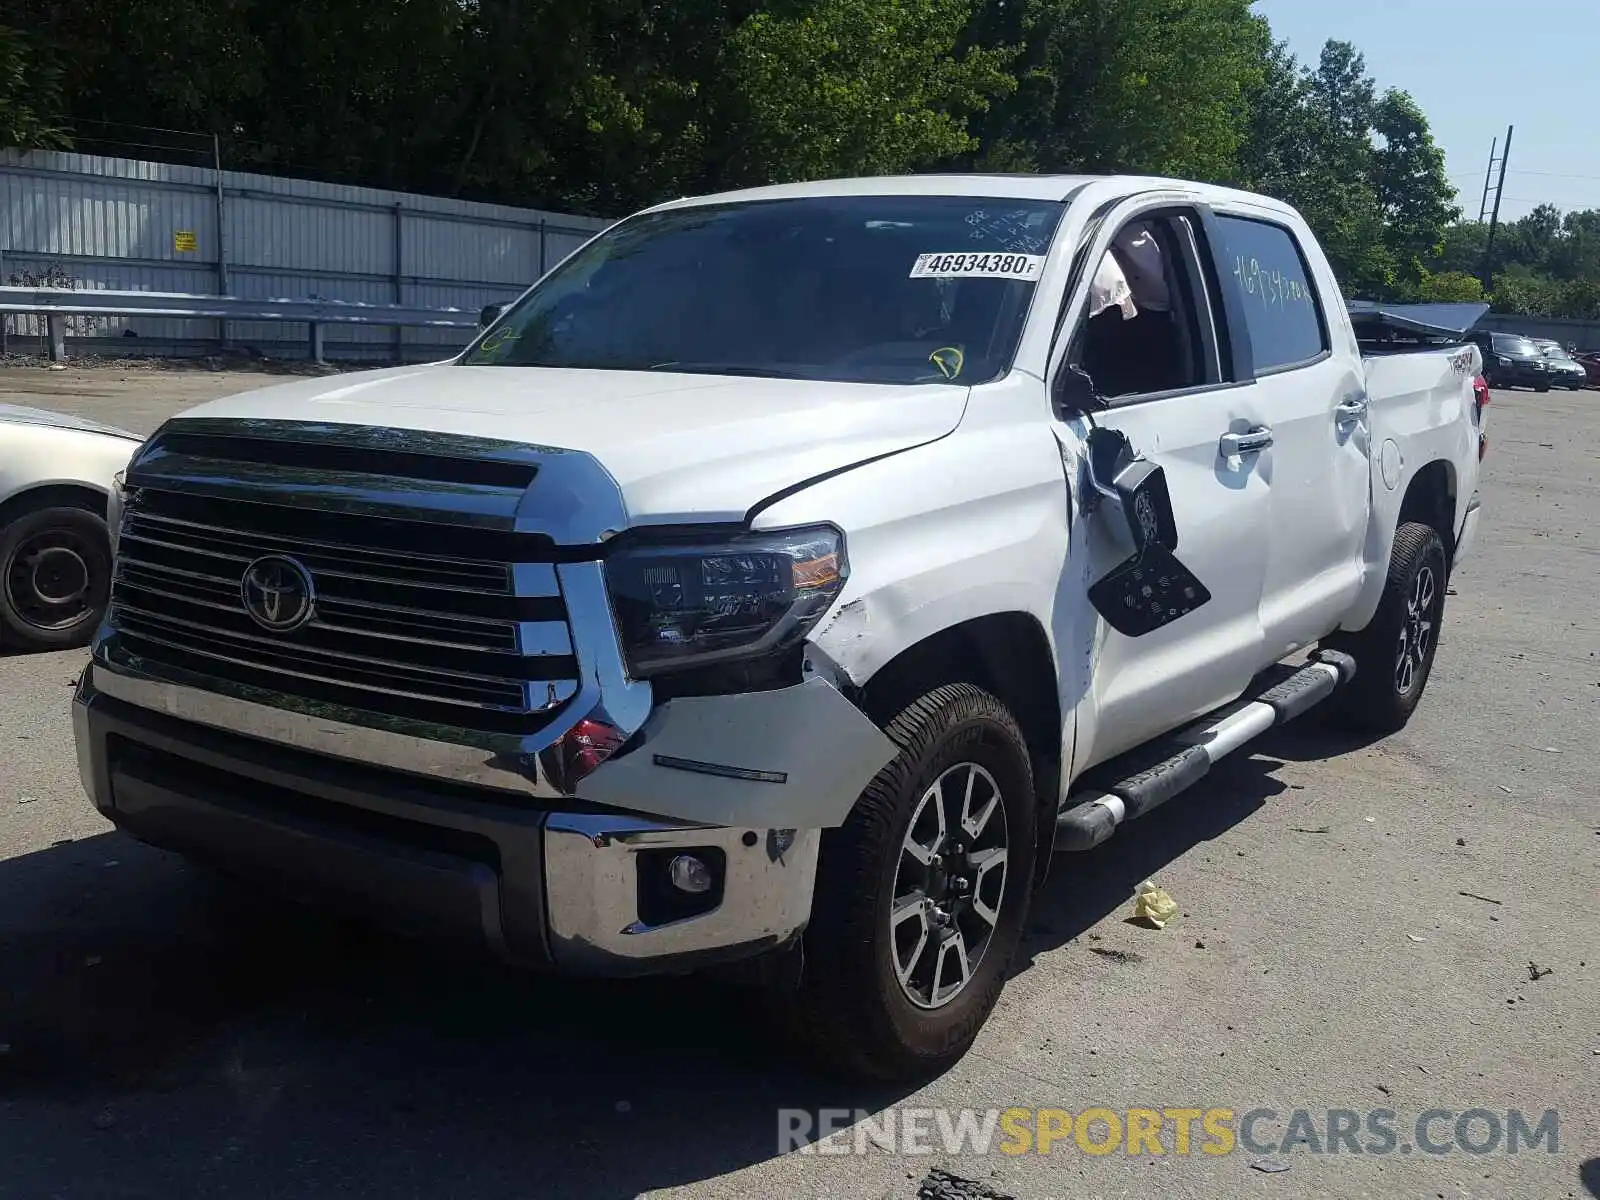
(1541, 387)
(1384, 694)
(55, 577)
(851, 1005)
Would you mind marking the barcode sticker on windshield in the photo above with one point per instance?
(984, 266)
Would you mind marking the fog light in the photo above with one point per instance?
(689, 874)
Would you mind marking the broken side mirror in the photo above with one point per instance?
(1147, 592)
(1135, 486)
(489, 314)
(1075, 392)
(1152, 588)
(1141, 488)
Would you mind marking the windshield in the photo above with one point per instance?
(868, 289)
(1516, 345)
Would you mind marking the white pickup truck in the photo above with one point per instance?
(784, 577)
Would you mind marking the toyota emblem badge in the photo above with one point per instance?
(278, 593)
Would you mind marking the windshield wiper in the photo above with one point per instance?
(720, 368)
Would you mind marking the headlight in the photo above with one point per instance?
(706, 597)
(1504, 362)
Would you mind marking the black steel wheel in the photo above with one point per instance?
(55, 578)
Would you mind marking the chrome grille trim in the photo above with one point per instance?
(327, 558)
(552, 615)
(193, 637)
(426, 627)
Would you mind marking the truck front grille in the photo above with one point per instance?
(413, 618)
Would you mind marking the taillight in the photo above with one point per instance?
(1480, 397)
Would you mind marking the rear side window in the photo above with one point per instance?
(1280, 304)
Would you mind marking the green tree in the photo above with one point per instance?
(1414, 194)
(1461, 247)
(836, 87)
(1531, 241)
(1448, 286)
(1580, 299)
(1577, 255)
(1310, 144)
(1521, 290)
(1142, 86)
(31, 104)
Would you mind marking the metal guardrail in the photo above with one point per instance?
(56, 304)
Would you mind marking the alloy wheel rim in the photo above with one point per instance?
(949, 885)
(1416, 631)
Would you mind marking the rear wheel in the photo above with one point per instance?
(1394, 653)
(922, 893)
(55, 576)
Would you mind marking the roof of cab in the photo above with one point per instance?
(986, 186)
(1007, 187)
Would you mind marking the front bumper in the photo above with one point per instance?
(568, 888)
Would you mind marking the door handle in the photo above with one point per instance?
(1232, 445)
(1350, 410)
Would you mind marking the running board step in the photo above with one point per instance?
(1093, 814)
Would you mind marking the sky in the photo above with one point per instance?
(1476, 67)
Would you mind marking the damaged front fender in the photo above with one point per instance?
(795, 758)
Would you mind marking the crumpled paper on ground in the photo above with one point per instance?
(1152, 905)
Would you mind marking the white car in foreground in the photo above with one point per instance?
(785, 577)
(56, 475)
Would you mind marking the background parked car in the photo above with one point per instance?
(1565, 371)
(1511, 360)
(56, 476)
(1589, 360)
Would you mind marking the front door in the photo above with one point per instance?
(1155, 355)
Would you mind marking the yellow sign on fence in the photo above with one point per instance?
(185, 241)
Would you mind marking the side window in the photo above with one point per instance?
(1147, 330)
(1281, 308)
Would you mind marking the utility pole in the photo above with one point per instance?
(1494, 219)
(1488, 174)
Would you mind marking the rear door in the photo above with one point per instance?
(1312, 402)
(1169, 376)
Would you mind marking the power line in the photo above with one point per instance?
(1558, 175)
(1542, 174)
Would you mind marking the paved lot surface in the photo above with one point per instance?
(165, 1038)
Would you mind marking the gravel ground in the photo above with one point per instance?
(162, 1037)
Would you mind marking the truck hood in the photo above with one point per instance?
(680, 447)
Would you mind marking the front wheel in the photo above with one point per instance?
(1394, 653)
(922, 893)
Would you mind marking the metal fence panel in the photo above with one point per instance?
(125, 224)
